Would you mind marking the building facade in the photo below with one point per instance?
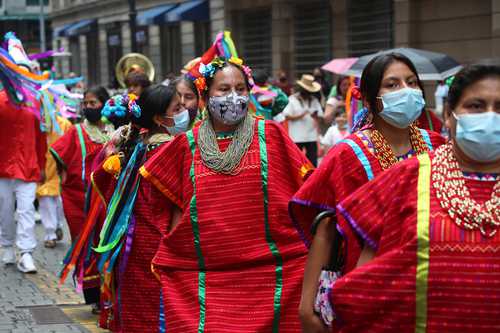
(299, 35)
(293, 35)
(97, 33)
(23, 17)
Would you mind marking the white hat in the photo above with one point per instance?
(307, 82)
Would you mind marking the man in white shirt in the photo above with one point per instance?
(302, 112)
(440, 94)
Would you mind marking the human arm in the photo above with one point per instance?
(280, 102)
(316, 260)
(300, 116)
(331, 108)
(292, 111)
(367, 254)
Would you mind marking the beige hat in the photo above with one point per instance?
(307, 82)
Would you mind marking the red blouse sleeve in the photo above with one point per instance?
(165, 169)
(41, 146)
(338, 175)
(437, 139)
(63, 148)
(385, 202)
(281, 147)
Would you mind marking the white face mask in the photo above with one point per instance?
(181, 123)
(478, 135)
(229, 109)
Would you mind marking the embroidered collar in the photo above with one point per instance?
(95, 133)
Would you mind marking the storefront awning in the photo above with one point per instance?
(194, 10)
(20, 17)
(60, 30)
(153, 15)
(80, 27)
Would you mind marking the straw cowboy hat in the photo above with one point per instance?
(307, 82)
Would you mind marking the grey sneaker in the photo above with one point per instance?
(9, 256)
(59, 233)
(26, 263)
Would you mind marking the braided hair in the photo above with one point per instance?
(138, 113)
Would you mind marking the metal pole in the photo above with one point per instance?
(43, 47)
(132, 24)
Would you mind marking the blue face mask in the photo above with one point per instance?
(478, 135)
(402, 107)
(181, 123)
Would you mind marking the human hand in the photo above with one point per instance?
(43, 177)
(311, 323)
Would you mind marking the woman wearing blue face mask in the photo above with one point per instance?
(431, 228)
(384, 134)
(230, 259)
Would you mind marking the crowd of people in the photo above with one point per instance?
(224, 201)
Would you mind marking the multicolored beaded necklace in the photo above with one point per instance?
(454, 196)
(384, 153)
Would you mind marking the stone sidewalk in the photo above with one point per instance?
(36, 302)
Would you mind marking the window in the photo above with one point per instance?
(370, 27)
(115, 52)
(93, 57)
(254, 37)
(202, 38)
(142, 40)
(75, 61)
(312, 36)
(171, 61)
(36, 2)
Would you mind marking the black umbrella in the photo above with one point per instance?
(431, 66)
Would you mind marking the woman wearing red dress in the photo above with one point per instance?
(74, 153)
(393, 98)
(430, 225)
(230, 260)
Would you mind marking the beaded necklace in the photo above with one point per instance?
(157, 140)
(95, 133)
(454, 196)
(384, 153)
(226, 162)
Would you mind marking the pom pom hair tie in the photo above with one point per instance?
(121, 106)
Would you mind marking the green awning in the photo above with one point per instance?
(28, 17)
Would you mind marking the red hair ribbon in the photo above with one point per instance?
(356, 93)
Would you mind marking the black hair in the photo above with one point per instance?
(210, 79)
(339, 83)
(260, 76)
(190, 83)
(304, 93)
(100, 92)
(137, 79)
(467, 77)
(373, 74)
(154, 100)
(187, 81)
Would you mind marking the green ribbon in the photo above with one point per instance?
(264, 169)
(83, 149)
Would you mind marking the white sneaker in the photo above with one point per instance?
(26, 264)
(9, 256)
